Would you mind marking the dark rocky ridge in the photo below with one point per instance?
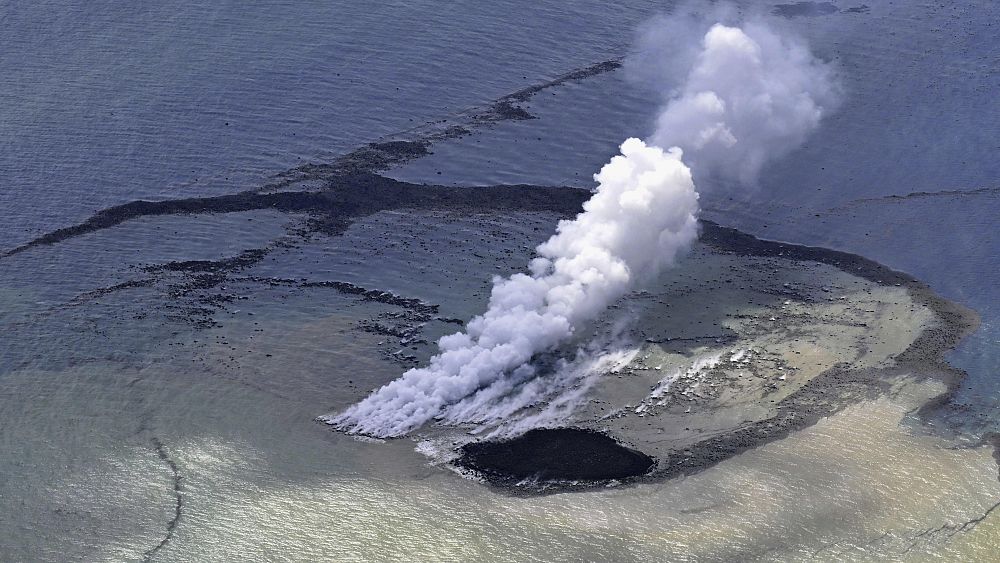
(805, 9)
(405, 146)
(330, 211)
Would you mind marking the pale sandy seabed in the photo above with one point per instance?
(205, 444)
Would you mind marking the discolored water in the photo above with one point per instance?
(168, 414)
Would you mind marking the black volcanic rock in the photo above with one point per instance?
(554, 454)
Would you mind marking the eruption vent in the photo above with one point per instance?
(748, 96)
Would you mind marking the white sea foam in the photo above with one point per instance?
(693, 374)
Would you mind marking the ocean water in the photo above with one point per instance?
(110, 102)
(127, 434)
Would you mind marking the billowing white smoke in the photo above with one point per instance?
(641, 217)
(749, 95)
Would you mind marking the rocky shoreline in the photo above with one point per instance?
(349, 198)
(821, 396)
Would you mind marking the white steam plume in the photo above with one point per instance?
(641, 217)
(748, 96)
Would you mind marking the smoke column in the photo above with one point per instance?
(746, 95)
(750, 96)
